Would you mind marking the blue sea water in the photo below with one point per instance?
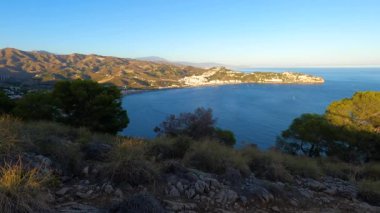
(256, 113)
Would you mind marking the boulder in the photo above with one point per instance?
(97, 151)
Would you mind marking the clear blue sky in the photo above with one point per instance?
(239, 32)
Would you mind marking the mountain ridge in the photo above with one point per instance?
(42, 66)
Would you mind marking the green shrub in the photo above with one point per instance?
(302, 166)
(370, 171)
(370, 191)
(266, 165)
(168, 148)
(211, 156)
(128, 164)
(226, 137)
(6, 104)
(338, 169)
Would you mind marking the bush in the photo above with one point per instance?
(90, 104)
(21, 190)
(370, 192)
(36, 106)
(6, 104)
(266, 165)
(164, 148)
(10, 141)
(226, 137)
(128, 164)
(338, 169)
(302, 166)
(211, 156)
(370, 171)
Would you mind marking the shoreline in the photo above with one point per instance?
(127, 92)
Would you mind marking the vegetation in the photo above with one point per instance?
(79, 103)
(348, 130)
(6, 104)
(197, 125)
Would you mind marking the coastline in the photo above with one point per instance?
(127, 92)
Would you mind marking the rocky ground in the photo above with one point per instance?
(180, 189)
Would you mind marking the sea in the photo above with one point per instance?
(256, 113)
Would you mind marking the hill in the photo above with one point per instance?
(37, 66)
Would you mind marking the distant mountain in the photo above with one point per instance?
(184, 63)
(37, 66)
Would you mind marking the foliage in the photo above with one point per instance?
(211, 156)
(163, 148)
(36, 106)
(6, 104)
(87, 103)
(196, 125)
(348, 130)
(227, 137)
(21, 189)
(361, 112)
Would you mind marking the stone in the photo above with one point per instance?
(190, 193)
(260, 193)
(179, 186)
(173, 192)
(226, 196)
(62, 191)
(179, 206)
(97, 151)
(119, 193)
(82, 195)
(85, 171)
(276, 209)
(314, 185)
(201, 186)
(108, 189)
(306, 193)
(140, 203)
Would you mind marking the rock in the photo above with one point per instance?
(173, 191)
(119, 193)
(260, 193)
(243, 200)
(233, 176)
(314, 185)
(140, 203)
(74, 207)
(331, 191)
(305, 193)
(201, 186)
(226, 196)
(97, 151)
(179, 206)
(190, 193)
(62, 191)
(85, 171)
(276, 209)
(179, 186)
(108, 189)
(82, 195)
(45, 161)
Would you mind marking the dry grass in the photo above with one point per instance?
(370, 191)
(211, 156)
(21, 190)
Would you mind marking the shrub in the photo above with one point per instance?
(338, 169)
(226, 137)
(211, 156)
(128, 164)
(267, 165)
(36, 106)
(168, 148)
(10, 141)
(302, 166)
(6, 104)
(370, 171)
(198, 124)
(90, 104)
(370, 191)
(21, 190)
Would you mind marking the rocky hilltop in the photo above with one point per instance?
(37, 66)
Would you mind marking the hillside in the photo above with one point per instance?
(56, 168)
(36, 66)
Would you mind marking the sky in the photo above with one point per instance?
(249, 33)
